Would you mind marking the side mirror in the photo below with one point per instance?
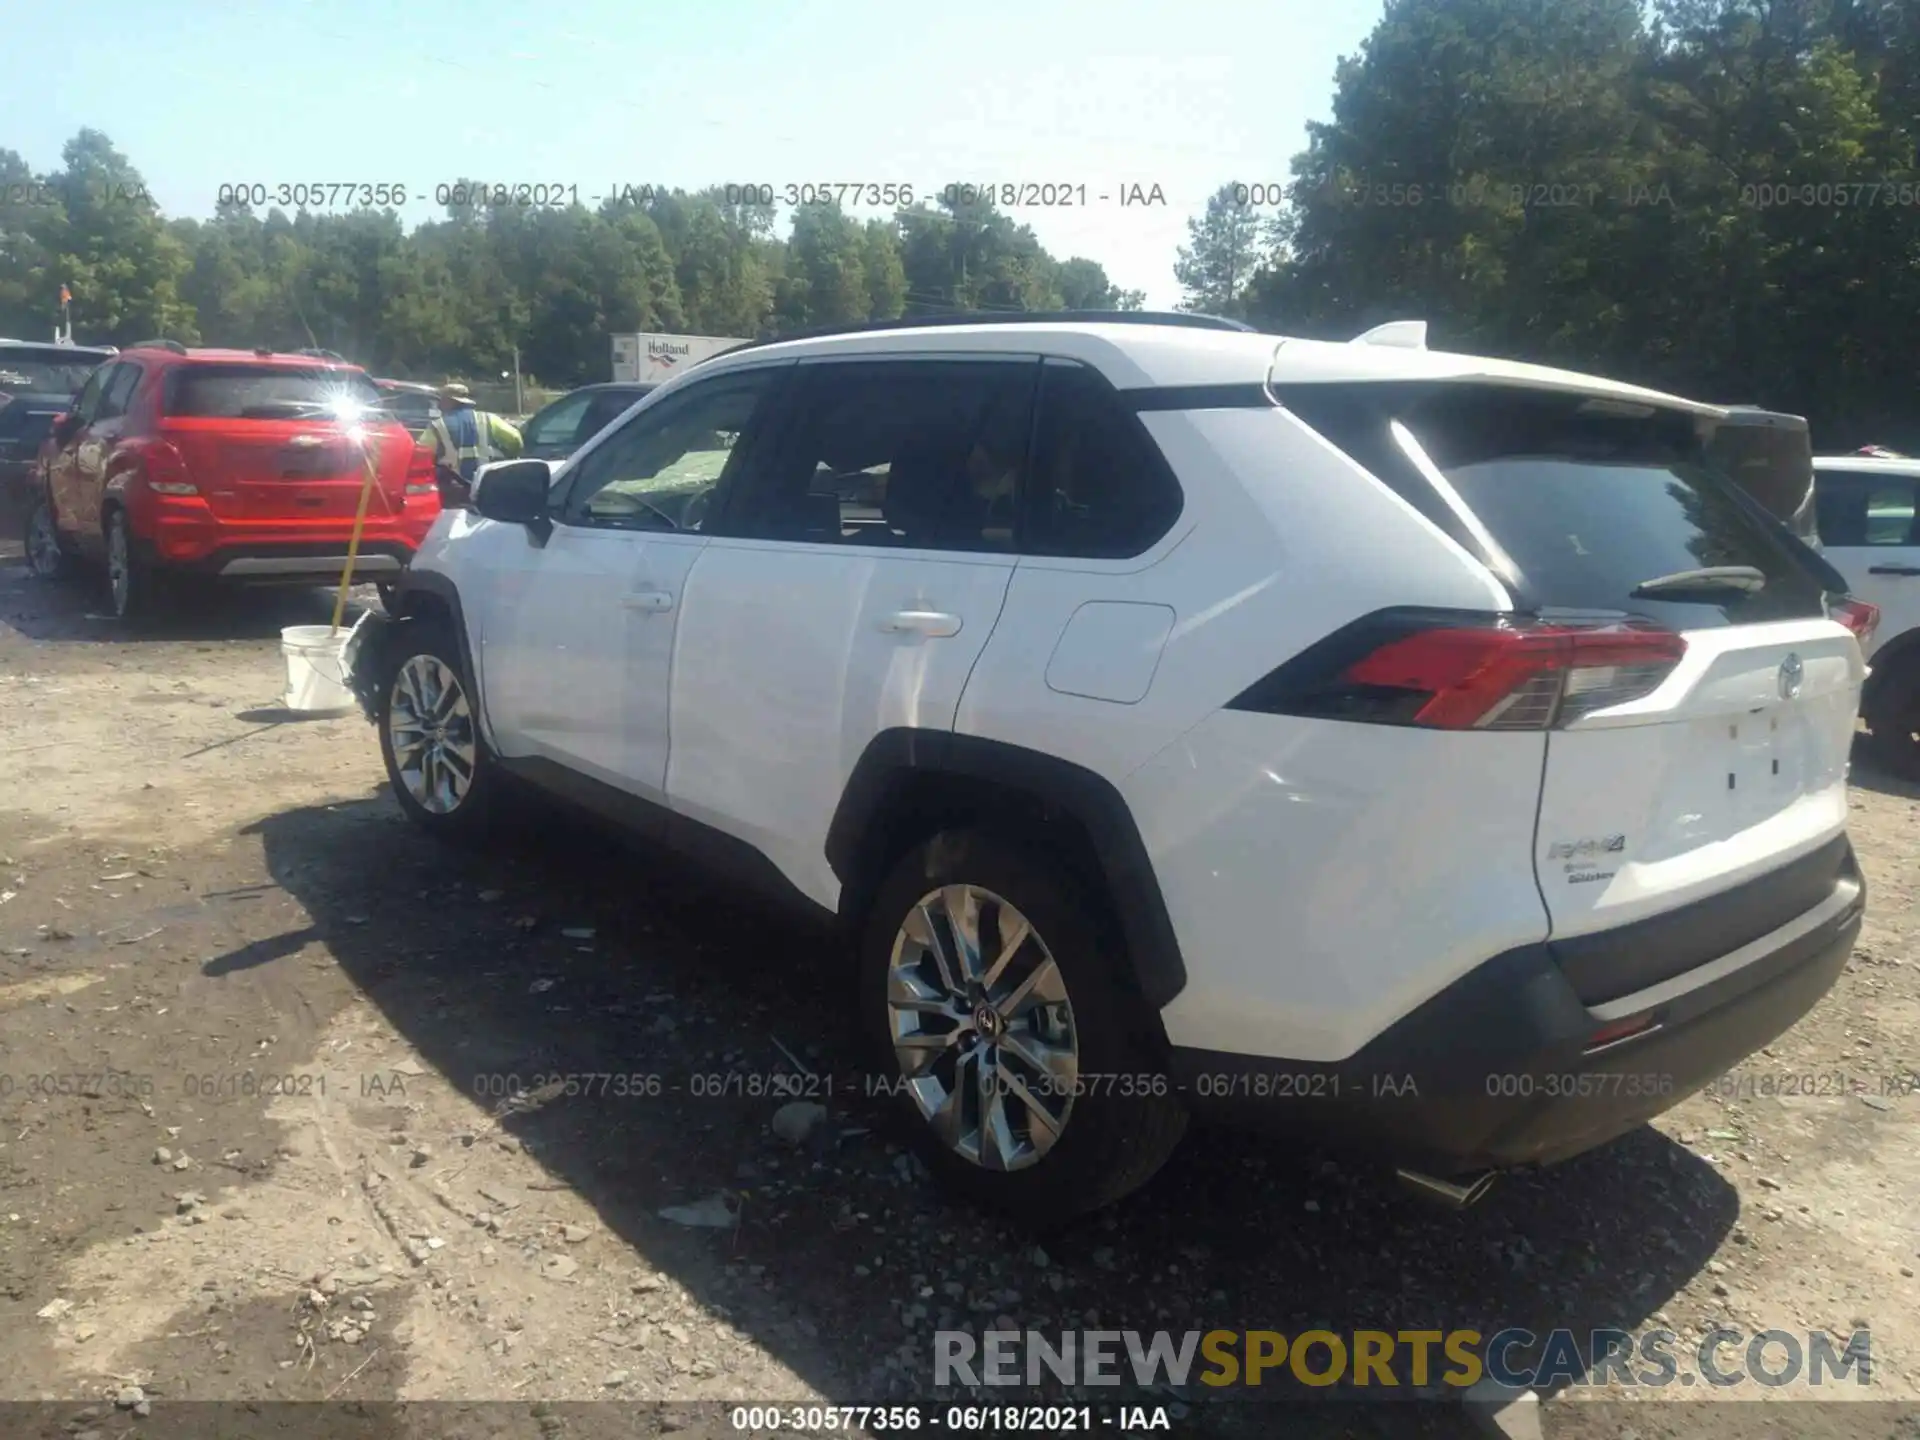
(66, 426)
(514, 492)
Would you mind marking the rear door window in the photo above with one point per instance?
(1864, 508)
(559, 423)
(1593, 506)
(263, 392)
(913, 454)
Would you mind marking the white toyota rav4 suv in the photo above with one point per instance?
(1407, 749)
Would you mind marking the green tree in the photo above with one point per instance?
(101, 234)
(1225, 245)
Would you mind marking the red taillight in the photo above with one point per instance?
(1858, 616)
(420, 476)
(1520, 677)
(1462, 672)
(164, 469)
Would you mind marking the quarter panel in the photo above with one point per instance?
(1282, 541)
(1325, 878)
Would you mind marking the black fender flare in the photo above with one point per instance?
(443, 591)
(1091, 800)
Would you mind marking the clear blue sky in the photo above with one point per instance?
(1185, 94)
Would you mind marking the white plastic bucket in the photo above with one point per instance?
(316, 676)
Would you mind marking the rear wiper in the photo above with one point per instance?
(1742, 578)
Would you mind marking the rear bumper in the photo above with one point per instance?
(300, 562)
(1499, 1069)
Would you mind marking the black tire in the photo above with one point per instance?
(134, 587)
(50, 555)
(472, 815)
(1125, 1119)
(1894, 718)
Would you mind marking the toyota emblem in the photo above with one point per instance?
(1792, 672)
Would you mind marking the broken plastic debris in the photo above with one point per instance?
(578, 932)
(713, 1213)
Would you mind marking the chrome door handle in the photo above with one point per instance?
(651, 600)
(935, 623)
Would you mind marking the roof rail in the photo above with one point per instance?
(1181, 318)
(172, 346)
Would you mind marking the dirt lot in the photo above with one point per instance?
(261, 1137)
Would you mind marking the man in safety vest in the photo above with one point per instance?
(464, 438)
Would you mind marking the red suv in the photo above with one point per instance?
(239, 465)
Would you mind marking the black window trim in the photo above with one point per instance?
(560, 498)
(785, 416)
(1250, 395)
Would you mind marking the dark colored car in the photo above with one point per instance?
(576, 417)
(241, 465)
(37, 384)
(413, 405)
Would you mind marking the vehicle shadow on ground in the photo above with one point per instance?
(469, 956)
(78, 610)
(1870, 772)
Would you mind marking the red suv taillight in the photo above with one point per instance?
(1449, 671)
(420, 476)
(165, 470)
(1858, 616)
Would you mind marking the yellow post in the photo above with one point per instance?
(353, 544)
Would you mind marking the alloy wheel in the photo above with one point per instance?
(982, 1027)
(435, 750)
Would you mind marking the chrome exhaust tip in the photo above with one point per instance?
(1454, 1194)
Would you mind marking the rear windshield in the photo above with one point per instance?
(45, 370)
(1583, 504)
(264, 392)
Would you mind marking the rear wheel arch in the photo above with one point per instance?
(1890, 704)
(909, 785)
(1895, 658)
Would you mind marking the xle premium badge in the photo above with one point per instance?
(1792, 672)
(1582, 858)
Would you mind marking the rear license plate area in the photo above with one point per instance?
(326, 460)
(1766, 760)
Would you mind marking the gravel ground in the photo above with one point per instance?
(309, 1156)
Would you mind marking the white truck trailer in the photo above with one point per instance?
(655, 359)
